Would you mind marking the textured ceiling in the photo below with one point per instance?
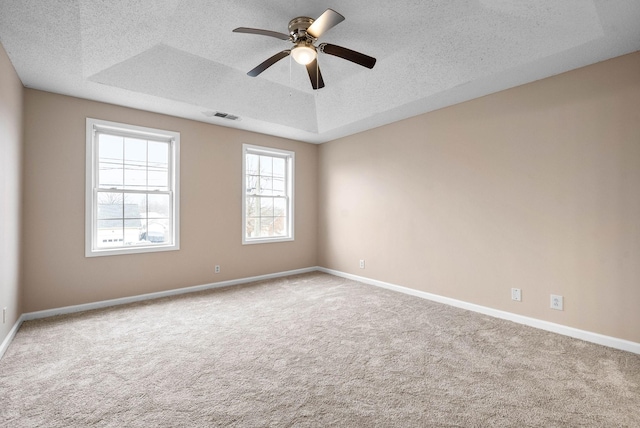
(180, 57)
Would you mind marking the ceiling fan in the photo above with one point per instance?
(303, 33)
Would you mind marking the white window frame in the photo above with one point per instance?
(289, 157)
(91, 183)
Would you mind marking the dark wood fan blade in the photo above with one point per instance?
(348, 54)
(268, 63)
(329, 19)
(314, 75)
(269, 33)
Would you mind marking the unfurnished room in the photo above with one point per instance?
(313, 214)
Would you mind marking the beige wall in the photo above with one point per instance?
(10, 183)
(537, 187)
(55, 270)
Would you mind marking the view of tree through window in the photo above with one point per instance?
(267, 194)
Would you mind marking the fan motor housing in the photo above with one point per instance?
(298, 28)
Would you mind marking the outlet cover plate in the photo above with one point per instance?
(516, 294)
(557, 302)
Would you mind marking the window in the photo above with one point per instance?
(132, 189)
(267, 200)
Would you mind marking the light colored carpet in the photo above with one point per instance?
(309, 350)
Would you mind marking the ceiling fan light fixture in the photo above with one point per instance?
(303, 33)
(304, 54)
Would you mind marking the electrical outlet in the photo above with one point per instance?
(4, 315)
(217, 269)
(361, 264)
(557, 302)
(516, 294)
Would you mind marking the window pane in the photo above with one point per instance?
(266, 226)
(278, 167)
(135, 150)
(279, 207)
(135, 205)
(266, 186)
(266, 165)
(155, 231)
(135, 163)
(252, 207)
(252, 184)
(266, 207)
(135, 223)
(132, 230)
(278, 186)
(252, 164)
(110, 205)
(159, 154)
(110, 233)
(110, 224)
(158, 179)
(158, 168)
(280, 217)
(110, 147)
(280, 226)
(135, 212)
(253, 227)
(110, 160)
(135, 176)
(159, 206)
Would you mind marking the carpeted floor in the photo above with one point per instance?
(308, 350)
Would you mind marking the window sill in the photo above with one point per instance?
(134, 250)
(266, 240)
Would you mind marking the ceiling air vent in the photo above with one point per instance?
(220, 114)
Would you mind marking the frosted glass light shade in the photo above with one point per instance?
(303, 54)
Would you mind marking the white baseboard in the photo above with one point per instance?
(157, 295)
(600, 339)
(588, 336)
(12, 333)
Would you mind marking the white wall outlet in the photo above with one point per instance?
(361, 264)
(557, 302)
(516, 294)
(217, 269)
